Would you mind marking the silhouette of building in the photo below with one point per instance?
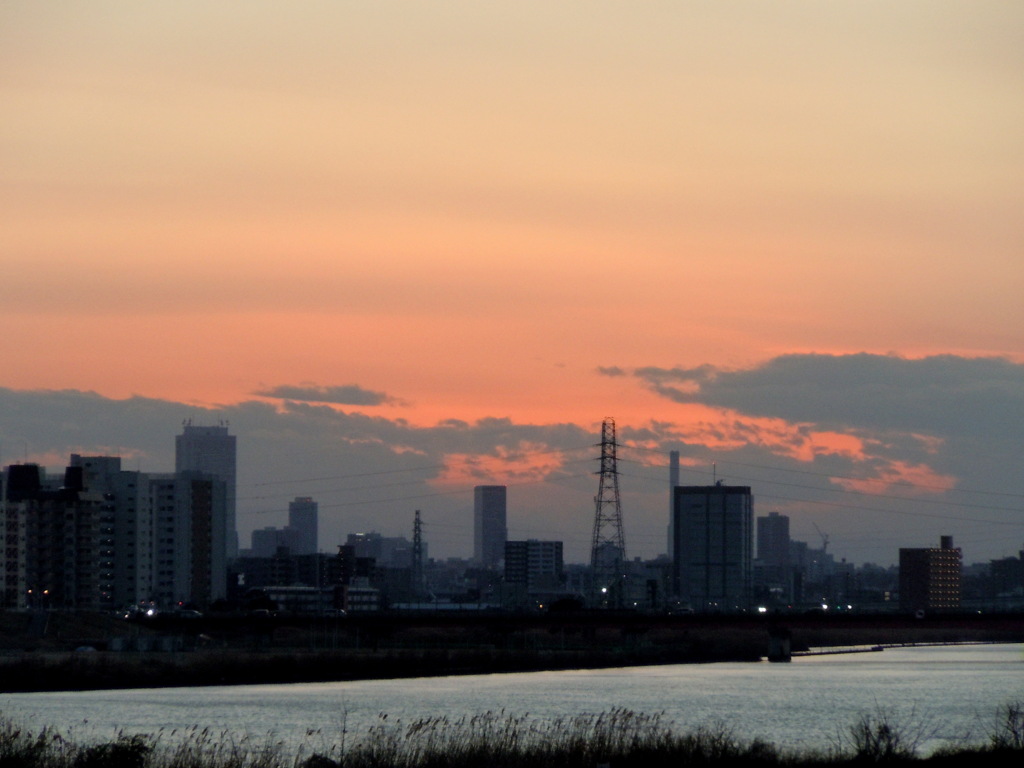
(58, 547)
(125, 494)
(673, 481)
(773, 554)
(302, 520)
(299, 537)
(713, 546)
(102, 537)
(212, 450)
(489, 531)
(386, 551)
(536, 565)
(18, 483)
(1007, 575)
(189, 553)
(267, 541)
(930, 578)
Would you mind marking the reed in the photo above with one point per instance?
(618, 738)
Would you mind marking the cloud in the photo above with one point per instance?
(944, 395)
(883, 451)
(367, 472)
(348, 394)
(611, 370)
(941, 421)
(880, 452)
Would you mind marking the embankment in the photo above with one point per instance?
(232, 651)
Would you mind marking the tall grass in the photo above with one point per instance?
(618, 739)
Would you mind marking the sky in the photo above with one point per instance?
(404, 248)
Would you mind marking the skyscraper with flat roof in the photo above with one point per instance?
(302, 521)
(489, 531)
(773, 546)
(713, 546)
(212, 451)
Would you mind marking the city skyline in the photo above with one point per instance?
(408, 250)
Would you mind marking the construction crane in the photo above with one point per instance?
(824, 537)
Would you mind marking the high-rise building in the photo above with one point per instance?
(302, 521)
(189, 559)
(537, 565)
(930, 578)
(83, 542)
(19, 486)
(773, 539)
(773, 546)
(489, 531)
(212, 451)
(101, 481)
(713, 546)
(54, 548)
(673, 481)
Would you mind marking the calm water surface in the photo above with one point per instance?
(948, 692)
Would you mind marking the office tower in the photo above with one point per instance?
(773, 539)
(773, 552)
(713, 546)
(302, 522)
(211, 450)
(930, 578)
(489, 532)
(535, 564)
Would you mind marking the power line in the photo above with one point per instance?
(829, 489)
(465, 489)
(903, 513)
(814, 473)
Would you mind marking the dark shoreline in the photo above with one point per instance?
(389, 647)
(106, 670)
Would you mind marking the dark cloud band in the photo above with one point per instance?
(349, 394)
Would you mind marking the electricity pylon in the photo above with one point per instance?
(608, 550)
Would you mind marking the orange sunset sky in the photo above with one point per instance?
(471, 208)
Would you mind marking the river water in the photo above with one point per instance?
(938, 694)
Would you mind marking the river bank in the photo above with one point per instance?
(292, 650)
(107, 670)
